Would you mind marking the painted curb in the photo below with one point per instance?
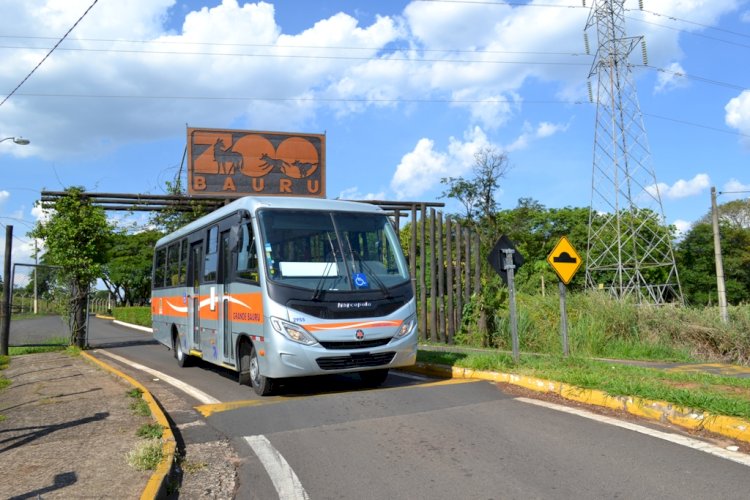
(662, 411)
(156, 487)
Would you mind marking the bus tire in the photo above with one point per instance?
(250, 371)
(183, 359)
(374, 378)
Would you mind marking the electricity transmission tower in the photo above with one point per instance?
(629, 246)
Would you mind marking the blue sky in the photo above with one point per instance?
(405, 92)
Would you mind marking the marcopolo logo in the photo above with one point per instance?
(234, 163)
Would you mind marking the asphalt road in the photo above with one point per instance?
(423, 438)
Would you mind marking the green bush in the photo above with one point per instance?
(599, 326)
(133, 315)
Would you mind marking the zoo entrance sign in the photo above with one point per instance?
(235, 163)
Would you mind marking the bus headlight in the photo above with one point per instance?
(407, 326)
(292, 331)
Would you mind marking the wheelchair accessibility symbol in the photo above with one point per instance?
(360, 280)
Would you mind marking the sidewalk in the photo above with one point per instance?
(67, 430)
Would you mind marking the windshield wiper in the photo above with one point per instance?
(320, 285)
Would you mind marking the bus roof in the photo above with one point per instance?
(253, 203)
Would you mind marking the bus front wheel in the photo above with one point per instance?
(374, 378)
(183, 359)
(250, 371)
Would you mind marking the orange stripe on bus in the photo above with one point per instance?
(354, 324)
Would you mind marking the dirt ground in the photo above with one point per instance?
(66, 431)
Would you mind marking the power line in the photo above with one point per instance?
(302, 99)
(394, 49)
(48, 53)
(691, 33)
(697, 78)
(708, 26)
(509, 4)
(693, 124)
(331, 57)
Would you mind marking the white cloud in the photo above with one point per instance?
(423, 167)
(672, 78)
(481, 54)
(745, 16)
(4, 196)
(40, 214)
(735, 189)
(353, 193)
(543, 130)
(738, 115)
(682, 188)
(683, 227)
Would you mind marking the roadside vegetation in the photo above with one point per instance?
(698, 391)
(148, 453)
(134, 315)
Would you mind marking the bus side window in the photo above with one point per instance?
(247, 258)
(160, 267)
(212, 255)
(173, 265)
(183, 262)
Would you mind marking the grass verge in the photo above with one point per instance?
(138, 405)
(146, 455)
(698, 391)
(133, 315)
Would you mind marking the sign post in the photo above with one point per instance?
(565, 261)
(505, 259)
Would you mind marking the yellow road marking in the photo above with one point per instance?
(209, 409)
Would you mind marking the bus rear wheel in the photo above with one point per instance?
(250, 371)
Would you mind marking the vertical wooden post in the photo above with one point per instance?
(397, 219)
(413, 251)
(467, 266)
(441, 279)
(422, 273)
(477, 263)
(451, 320)
(433, 279)
(457, 276)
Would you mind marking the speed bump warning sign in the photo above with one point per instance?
(564, 260)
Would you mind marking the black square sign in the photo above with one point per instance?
(496, 257)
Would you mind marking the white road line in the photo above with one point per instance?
(286, 482)
(695, 444)
(188, 389)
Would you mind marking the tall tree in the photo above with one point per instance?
(76, 237)
(127, 273)
(477, 195)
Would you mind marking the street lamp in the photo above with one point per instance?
(18, 140)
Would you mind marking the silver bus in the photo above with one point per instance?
(279, 287)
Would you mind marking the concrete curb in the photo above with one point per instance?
(662, 411)
(157, 483)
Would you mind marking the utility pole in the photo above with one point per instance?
(629, 244)
(720, 285)
(8, 284)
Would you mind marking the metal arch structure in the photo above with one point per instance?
(629, 247)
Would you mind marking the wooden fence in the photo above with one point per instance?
(444, 261)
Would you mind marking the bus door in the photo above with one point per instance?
(194, 294)
(224, 333)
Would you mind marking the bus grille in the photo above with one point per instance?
(355, 361)
(356, 344)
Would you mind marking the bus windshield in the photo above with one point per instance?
(339, 251)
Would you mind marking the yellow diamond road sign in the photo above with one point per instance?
(564, 260)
